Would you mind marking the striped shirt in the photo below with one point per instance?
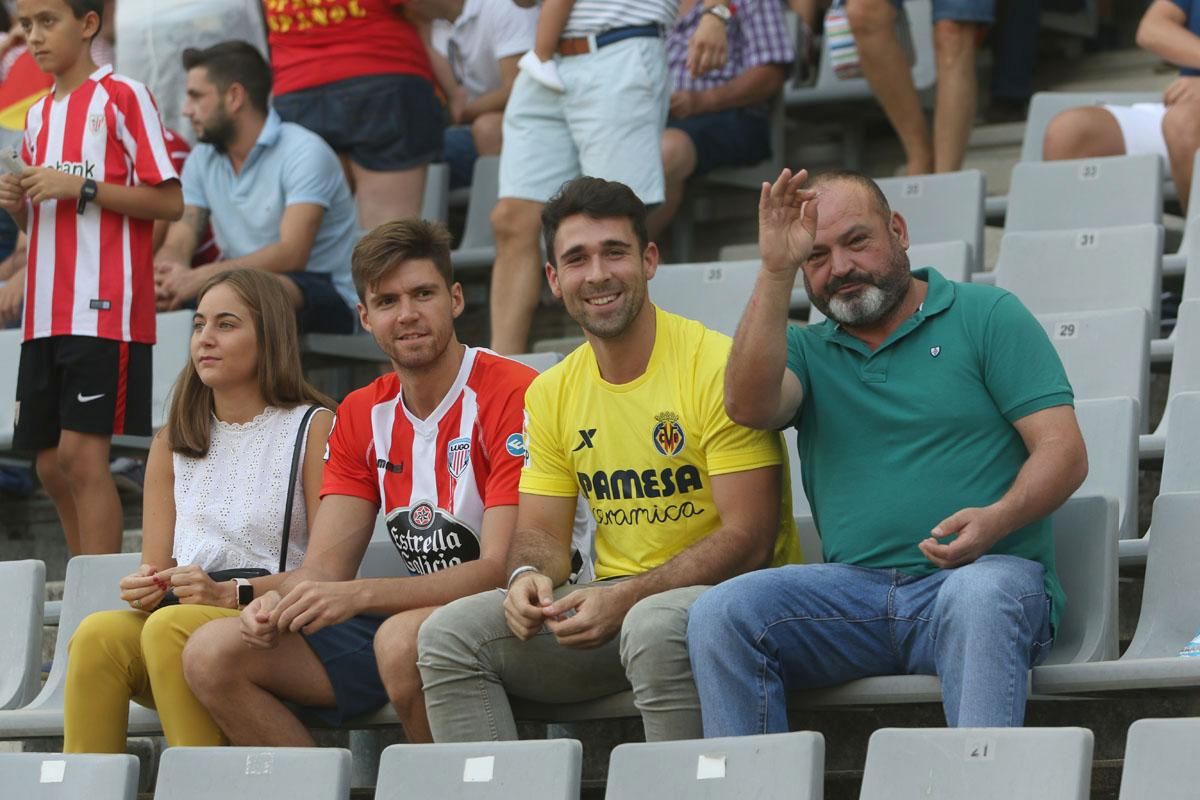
(92, 274)
(434, 477)
(597, 16)
(757, 35)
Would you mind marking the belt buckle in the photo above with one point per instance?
(591, 41)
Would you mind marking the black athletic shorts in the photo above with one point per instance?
(84, 384)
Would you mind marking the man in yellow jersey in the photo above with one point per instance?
(683, 498)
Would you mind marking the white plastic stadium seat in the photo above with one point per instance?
(55, 776)
(980, 763)
(1084, 270)
(772, 767)
(262, 773)
(22, 593)
(547, 770)
(941, 208)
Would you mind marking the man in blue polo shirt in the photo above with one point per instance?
(275, 192)
(937, 432)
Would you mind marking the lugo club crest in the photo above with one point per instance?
(668, 434)
(429, 539)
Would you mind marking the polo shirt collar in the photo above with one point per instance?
(938, 298)
(269, 135)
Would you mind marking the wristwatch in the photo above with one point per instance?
(245, 592)
(721, 12)
(86, 195)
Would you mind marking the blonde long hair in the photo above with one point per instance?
(280, 376)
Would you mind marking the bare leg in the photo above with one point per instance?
(1181, 129)
(385, 196)
(957, 88)
(488, 130)
(517, 274)
(244, 688)
(83, 461)
(807, 11)
(1083, 132)
(55, 483)
(885, 65)
(396, 653)
(679, 162)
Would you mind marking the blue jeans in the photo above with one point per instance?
(979, 628)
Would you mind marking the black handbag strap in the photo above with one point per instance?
(291, 490)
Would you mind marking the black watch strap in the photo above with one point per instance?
(86, 195)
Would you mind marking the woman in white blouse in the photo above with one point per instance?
(217, 485)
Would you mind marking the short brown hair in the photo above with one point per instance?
(280, 376)
(393, 243)
(595, 198)
(234, 61)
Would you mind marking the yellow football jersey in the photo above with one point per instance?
(643, 452)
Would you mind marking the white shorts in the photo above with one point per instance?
(1141, 127)
(607, 124)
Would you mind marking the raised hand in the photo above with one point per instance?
(787, 222)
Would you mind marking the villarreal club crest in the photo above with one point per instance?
(668, 434)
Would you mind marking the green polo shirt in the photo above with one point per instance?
(896, 440)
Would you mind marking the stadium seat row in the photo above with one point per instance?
(982, 763)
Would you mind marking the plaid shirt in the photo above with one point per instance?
(757, 35)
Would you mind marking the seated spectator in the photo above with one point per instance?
(479, 49)
(885, 64)
(216, 493)
(722, 118)
(274, 192)
(356, 72)
(437, 445)
(608, 123)
(1171, 30)
(207, 251)
(682, 498)
(940, 424)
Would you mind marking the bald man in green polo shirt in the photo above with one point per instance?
(937, 432)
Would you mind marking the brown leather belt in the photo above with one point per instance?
(581, 45)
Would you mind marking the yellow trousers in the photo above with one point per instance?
(116, 656)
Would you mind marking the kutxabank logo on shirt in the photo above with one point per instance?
(429, 539)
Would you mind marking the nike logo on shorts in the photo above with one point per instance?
(87, 398)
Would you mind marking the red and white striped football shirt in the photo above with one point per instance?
(434, 477)
(92, 274)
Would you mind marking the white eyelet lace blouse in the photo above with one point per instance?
(229, 505)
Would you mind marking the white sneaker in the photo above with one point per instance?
(544, 72)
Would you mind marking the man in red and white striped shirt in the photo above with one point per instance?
(438, 445)
(97, 177)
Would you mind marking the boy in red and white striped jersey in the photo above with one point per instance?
(98, 176)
